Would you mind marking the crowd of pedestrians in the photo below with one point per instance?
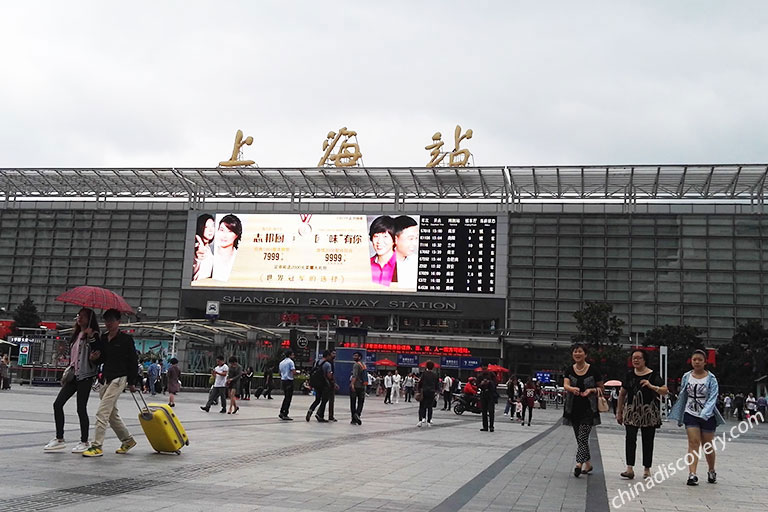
(106, 362)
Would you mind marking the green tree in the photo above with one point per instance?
(745, 358)
(25, 315)
(601, 331)
(596, 325)
(680, 340)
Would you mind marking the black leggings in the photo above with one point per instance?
(530, 411)
(425, 406)
(647, 433)
(83, 390)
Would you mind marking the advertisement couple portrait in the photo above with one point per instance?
(301, 258)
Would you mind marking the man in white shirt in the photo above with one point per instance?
(287, 371)
(396, 380)
(447, 397)
(219, 388)
(388, 387)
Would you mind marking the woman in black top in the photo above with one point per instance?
(428, 386)
(233, 384)
(639, 408)
(583, 384)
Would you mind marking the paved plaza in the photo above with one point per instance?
(254, 461)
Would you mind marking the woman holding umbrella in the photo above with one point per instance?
(78, 379)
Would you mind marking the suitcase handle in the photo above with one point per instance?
(143, 411)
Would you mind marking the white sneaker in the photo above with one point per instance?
(420, 423)
(81, 447)
(55, 445)
(506, 414)
(429, 423)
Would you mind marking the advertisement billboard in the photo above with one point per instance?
(343, 252)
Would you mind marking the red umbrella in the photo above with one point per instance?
(424, 365)
(497, 368)
(95, 297)
(385, 362)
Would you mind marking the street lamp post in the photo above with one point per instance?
(173, 341)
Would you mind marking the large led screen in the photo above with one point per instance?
(398, 253)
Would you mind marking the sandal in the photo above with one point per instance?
(628, 474)
(647, 473)
(588, 470)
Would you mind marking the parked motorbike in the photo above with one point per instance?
(463, 403)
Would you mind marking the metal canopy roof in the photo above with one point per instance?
(506, 184)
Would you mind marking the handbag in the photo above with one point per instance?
(68, 375)
(419, 396)
(602, 404)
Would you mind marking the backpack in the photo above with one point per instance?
(317, 378)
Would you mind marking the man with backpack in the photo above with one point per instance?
(321, 380)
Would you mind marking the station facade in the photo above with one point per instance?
(679, 245)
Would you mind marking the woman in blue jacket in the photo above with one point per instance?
(696, 408)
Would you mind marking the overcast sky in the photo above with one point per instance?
(161, 84)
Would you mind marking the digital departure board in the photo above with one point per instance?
(457, 254)
(385, 253)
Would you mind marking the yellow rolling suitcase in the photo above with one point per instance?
(161, 426)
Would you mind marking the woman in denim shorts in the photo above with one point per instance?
(696, 408)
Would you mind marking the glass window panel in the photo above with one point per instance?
(748, 299)
(517, 272)
(594, 252)
(668, 297)
(721, 265)
(747, 265)
(594, 229)
(570, 229)
(520, 292)
(617, 275)
(570, 262)
(545, 293)
(596, 295)
(541, 305)
(746, 243)
(593, 274)
(549, 262)
(643, 263)
(694, 264)
(521, 260)
(747, 313)
(571, 241)
(695, 297)
(569, 273)
(520, 250)
(721, 311)
(548, 251)
(571, 294)
(520, 304)
(668, 320)
(617, 262)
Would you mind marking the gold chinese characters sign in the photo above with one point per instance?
(348, 153)
(236, 160)
(457, 157)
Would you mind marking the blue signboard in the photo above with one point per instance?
(469, 363)
(449, 362)
(370, 361)
(407, 360)
(544, 377)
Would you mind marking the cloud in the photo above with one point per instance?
(152, 84)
